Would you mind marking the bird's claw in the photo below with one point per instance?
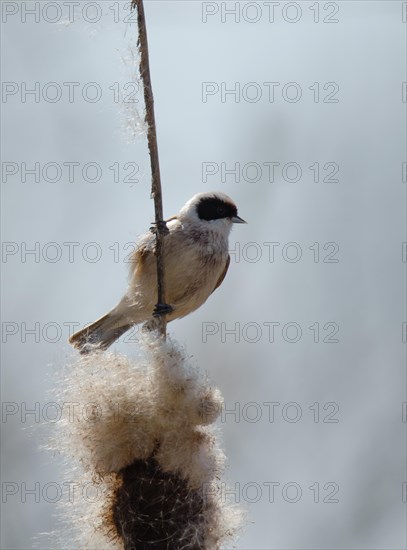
(160, 226)
(162, 309)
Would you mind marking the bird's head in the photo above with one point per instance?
(211, 210)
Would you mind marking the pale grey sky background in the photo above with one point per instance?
(336, 263)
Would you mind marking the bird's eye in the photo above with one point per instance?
(220, 209)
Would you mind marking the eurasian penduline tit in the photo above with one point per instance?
(196, 259)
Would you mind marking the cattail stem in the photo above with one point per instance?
(156, 192)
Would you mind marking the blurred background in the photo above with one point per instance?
(297, 111)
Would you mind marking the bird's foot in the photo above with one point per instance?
(160, 226)
(162, 309)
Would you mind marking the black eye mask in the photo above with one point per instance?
(215, 209)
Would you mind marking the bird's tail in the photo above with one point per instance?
(101, 334)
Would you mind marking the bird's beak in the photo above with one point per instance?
(237, 219)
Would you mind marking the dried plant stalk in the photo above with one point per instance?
(156, 191)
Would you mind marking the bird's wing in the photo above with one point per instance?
(223, 275)
(144, 249)
(143, 256)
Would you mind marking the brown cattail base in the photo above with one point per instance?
(156, 510)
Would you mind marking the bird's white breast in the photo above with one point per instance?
(194, 260)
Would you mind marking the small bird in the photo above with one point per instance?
(196, 260)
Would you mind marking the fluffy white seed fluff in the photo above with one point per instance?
(121, 410)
